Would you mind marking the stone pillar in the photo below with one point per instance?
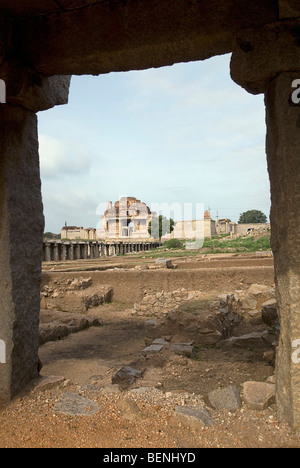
(56, 254)
(71, 251)
(21, 237)
(101, 249)
(266, 61)
(283, 143)
(77, 252)
(47, 252)
(64, 252)
(84, 251)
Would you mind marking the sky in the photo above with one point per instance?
(183, 136)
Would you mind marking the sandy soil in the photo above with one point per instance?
(144, 419)
(87, 360)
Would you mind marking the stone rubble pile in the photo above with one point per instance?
(249, 303)
(162, 302)
(58, 325)
(77, 295)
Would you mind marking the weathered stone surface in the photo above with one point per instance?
(289, 9)
(194, 416)
(262, 53)
(250, 340)
(258, 395)
(126, 376)
(183, 349)
(225, 398)
(32, 91)
(283, 142)
(270, 315)
(75, 405)
(56, 325)
(164, 262)
(61, 297)
(129, 410)
(21, 214)
(48, 381)
(152, 349)
(127, 35)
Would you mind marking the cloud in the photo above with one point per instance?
(62, 159)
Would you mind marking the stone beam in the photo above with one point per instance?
(262, 54)
(135, 34)
(21, 231)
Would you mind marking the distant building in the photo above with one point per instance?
(194, 229)
(127, 218)
(74, 232)
(225, 226)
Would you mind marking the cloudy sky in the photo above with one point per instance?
(184, 135)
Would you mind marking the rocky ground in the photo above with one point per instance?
(114, 377)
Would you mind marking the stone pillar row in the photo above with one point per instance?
(61, 251)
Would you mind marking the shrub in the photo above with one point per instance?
(174, 244)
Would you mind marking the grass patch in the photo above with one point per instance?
(216, 245)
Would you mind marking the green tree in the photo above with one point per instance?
(252, 217)
(160, 225)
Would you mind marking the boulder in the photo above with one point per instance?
(250, 340)
(225, 398)
(152, 349)
(125, 377)
(258, 395)
(270, 315)
(194, 417)
(164, 262)
(74, 404)
(183, 349)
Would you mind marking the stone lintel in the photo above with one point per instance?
(262, 54)
(136, 34)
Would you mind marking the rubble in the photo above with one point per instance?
(126, 376)
(76, 294)
(258, 395)
(57, 325)
(194, 416)
(225, 398)
(74, 404)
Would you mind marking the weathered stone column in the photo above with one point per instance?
(71, 251)
(77, 251)
(56, 255)
(283, 143)
(85, 251)
(265, 61)
(21, 233)
(64, 252)
(47, 252)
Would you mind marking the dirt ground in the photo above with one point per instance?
(143, 416)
